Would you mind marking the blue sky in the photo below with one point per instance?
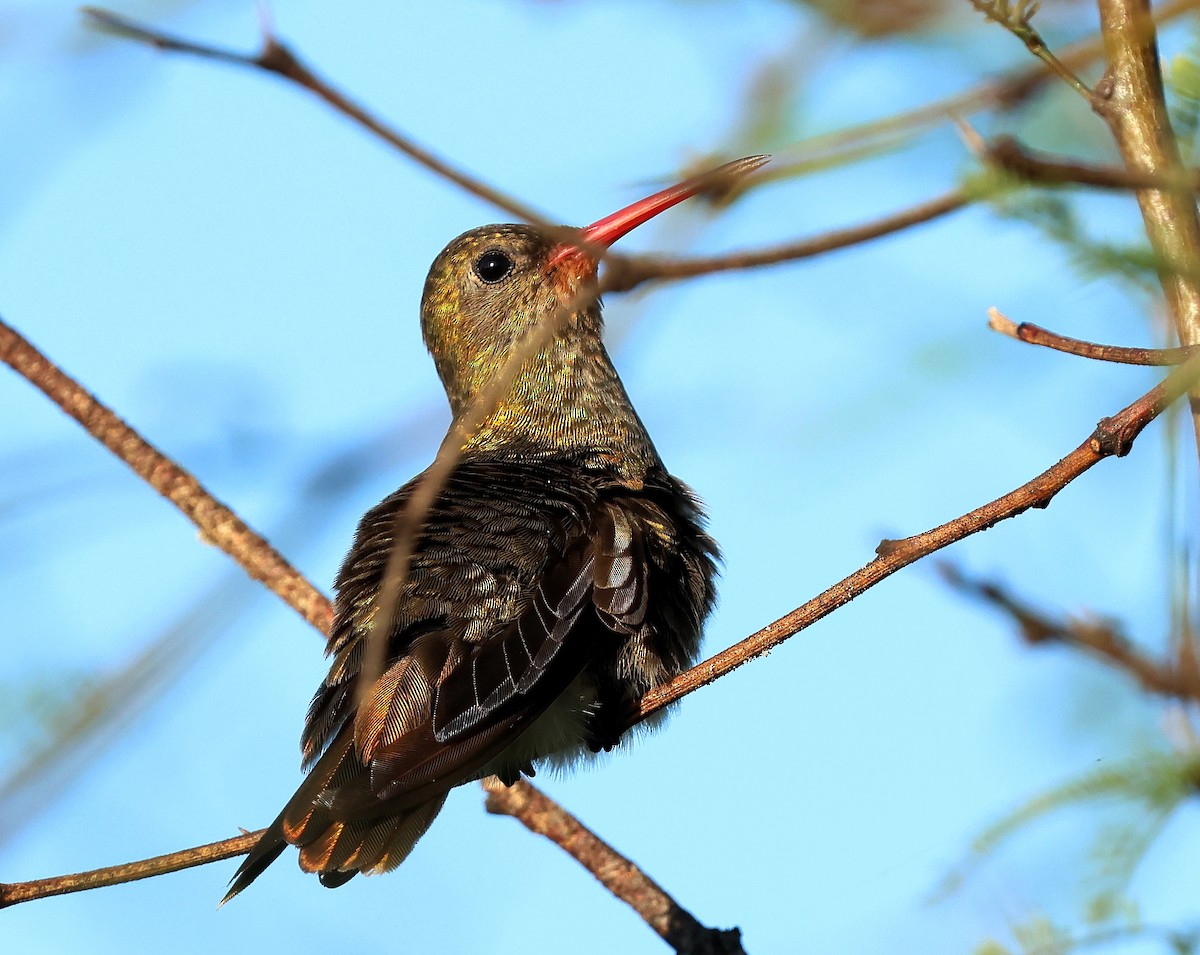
(236, 271)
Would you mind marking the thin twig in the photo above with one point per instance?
(1005, 92)
(411, 518)
(14, 892)
(275, 57)
(1095, 638)
(673, 923)
(1043, 169)
(626, 272)
(1016, 16)
(1036, 335)
(217, 523)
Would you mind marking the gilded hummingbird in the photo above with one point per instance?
(560, 573)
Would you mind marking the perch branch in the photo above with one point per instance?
(673, 923)
(1113, 437)
(14, 892)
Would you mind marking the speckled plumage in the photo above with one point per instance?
(560, 574)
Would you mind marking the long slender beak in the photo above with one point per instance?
(604, 232)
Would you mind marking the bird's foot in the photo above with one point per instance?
(512, 774)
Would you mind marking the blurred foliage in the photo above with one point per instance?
(1146, 790)
(873, 19)
(1054, 215)
(1182, 76)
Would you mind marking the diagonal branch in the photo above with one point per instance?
(1016, 16)
(626, 272)
(217, 523)
(1113, 437)
(1097, 639)
(276, 58)
(673, 923)
(1004, 92)
(11, 893)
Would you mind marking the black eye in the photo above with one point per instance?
(493, 266)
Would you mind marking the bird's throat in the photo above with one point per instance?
(568, 399)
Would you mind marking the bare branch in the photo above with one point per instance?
(1096, 638)
(411, 518)
(1043, 169)
(628, 272)
(217, 523)
(1036, 335)
(13, 892)
(673, 923)
(1113, 436)
(1007, 91)
(275, 57)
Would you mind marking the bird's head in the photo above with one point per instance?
(489, 286)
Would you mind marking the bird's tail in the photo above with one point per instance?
(292, 821)
(370, 846)
(336, 848)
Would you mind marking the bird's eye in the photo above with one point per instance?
(493, 266)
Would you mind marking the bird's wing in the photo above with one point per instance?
(453, 697)
(511, 662)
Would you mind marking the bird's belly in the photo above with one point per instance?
(557, 738)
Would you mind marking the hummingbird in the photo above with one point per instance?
(560, 573)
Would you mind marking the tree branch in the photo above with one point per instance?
(1007, 153)
(218, 525)
(13, 892)
(626, 272)
(1100, 640)
(1036, 335)
(673, 923)
(1130, 98)
(1016, 16)
(1004, 92)
(1113, 437)
(276, 58)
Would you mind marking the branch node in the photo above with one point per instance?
(1113, 437)
(888, 548)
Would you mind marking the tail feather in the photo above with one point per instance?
(335, 848)
(265, 851)
(286, 827)
(409, 828)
